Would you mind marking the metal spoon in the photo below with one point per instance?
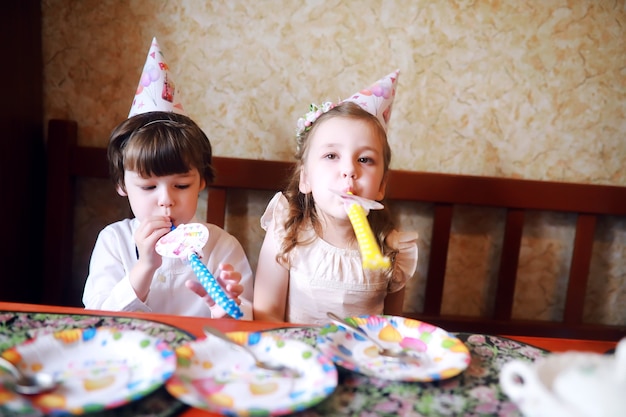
(401, 355)
(278, 368)
(29, 384)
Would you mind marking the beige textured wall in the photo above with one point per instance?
(529, 89)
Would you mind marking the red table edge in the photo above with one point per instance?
(194, 326)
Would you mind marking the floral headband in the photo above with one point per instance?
(306, 122)
(376, 99)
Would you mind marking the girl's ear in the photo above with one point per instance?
(304, 186)
(382, 189)
(121, 191)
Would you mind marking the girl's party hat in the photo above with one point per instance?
(377, 99)
(156, 90)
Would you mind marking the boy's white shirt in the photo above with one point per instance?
(108, 285)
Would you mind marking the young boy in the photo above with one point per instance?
(161, 160)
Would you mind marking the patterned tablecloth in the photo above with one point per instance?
(476, 392)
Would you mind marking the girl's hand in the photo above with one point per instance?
(229, 280)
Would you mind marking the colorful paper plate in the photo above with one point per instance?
(99, 368)
(215, 376)
(440, 354)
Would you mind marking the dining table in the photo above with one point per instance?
(475, 391)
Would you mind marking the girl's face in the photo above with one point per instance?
(174, 196)
(343, 155)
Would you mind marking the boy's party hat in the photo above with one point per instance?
(377, 99)
(156, 90)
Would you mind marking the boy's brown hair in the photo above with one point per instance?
(159, 143)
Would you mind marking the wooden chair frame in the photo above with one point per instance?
(67, 161)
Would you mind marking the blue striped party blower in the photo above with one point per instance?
(187, 241)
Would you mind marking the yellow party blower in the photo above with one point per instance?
(357, 209)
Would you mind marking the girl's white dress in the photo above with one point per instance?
(325, 278)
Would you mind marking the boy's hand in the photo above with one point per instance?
(146, 236)
(150, 230)
(229, 280)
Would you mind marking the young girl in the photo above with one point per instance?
(310, 262)
(161, 161)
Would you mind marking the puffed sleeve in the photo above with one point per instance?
(405, 262)
(275, 215)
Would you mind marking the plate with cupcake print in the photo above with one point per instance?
(435, 353)
(215, 376)
(97, 369)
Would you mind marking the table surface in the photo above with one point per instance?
(194, 326)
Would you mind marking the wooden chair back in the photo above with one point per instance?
(588, 202)
(67, 161)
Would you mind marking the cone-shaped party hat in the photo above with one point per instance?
(377, 99)
(156, 90)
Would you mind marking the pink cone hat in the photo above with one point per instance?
(156, 90)
(377, 99)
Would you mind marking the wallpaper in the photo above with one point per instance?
(533, 89)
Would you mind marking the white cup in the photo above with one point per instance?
(569, 384)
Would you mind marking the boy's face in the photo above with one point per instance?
(174, 196)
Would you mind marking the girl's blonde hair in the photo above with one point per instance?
(159, 143)
(302, 206)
